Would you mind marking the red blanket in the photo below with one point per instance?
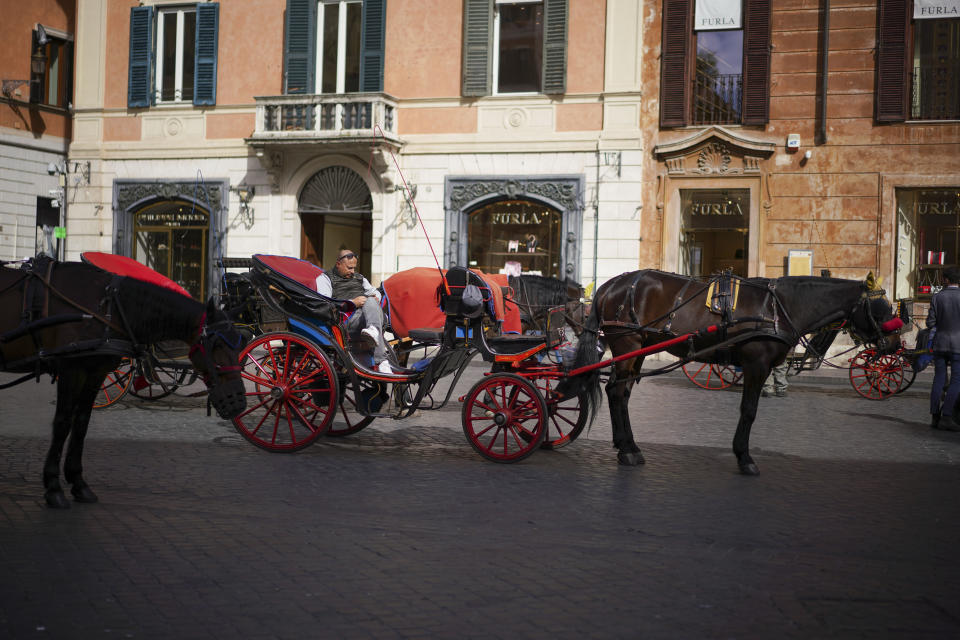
(124, 266)
(412, 299)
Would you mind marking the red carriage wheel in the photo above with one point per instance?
(348, 419)
(566, 417)
(292, 392)
(711, 376)
(115, 385)
(909, 373)
(874, 376)
(504, 417)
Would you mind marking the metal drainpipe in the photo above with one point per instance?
(824, 67)
(596, 218)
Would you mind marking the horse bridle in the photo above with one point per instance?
(208, 336)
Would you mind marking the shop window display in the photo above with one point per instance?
(928, 239)
(171, 238)
(514, 237)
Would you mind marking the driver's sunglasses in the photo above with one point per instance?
(347, 256)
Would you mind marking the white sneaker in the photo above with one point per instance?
(384, 367)
(370, 336)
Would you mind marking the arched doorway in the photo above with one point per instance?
(335, 211)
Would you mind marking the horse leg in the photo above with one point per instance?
(756, 368)
(67, 383)
(618, 396)
(83, 407)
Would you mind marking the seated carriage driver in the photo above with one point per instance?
(343, 282)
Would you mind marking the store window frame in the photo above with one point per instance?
(465, 194)
(212, 195)
(175, 259)
(917, 264)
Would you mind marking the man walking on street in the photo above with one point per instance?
(944, 317)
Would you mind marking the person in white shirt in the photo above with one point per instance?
(343, 282)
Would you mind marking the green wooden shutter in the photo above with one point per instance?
(554, 46)
(372, 45)
(675, 52)
(756, 62)
(139, 89)
(893, 27)
(205, 54)
(299, 51)
(477, 41)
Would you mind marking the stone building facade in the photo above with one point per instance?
(842, 148)
(299, 126)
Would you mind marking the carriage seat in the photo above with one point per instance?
(426, 335)
(455, 303)
(510, 343)
(291, 283)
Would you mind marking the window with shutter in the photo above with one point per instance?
(205, 65)
(141, 57)
(477, 40)
(299, 51)
(891, 89)
(555, 46)
(372, 39)
(756, 62)
(730, 80)
(674, 77)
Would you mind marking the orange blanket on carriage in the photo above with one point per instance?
(411, 299)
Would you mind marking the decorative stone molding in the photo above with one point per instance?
(132, 192)
(272, 162)
(563, 192)
(714, 151)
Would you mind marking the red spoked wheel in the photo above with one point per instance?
(292, 392)
(712, 376)
(348, 419)
(876, 376)
(115, 385)
(504, 417)
(566, 417)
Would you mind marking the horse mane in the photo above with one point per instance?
(156, 313)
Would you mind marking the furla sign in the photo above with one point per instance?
(711, 15)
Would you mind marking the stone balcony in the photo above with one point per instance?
(353, 118)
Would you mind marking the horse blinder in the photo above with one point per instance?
(228, 396)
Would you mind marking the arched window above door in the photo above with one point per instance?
(335, 190)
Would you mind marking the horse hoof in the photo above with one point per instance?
(84, 495)
(631, 459)
(56, 500)
(750, 469)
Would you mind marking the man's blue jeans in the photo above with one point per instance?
(940, 361)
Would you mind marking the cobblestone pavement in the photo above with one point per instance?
(402, 531)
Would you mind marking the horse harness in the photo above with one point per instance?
(37, 288)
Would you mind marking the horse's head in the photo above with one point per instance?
(873, 320)
(215, 356)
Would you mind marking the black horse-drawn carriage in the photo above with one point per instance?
(313, 378)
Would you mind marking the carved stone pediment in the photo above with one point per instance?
(714, 151)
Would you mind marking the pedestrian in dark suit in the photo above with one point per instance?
(944, 316)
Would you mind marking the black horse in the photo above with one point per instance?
(536, 295)
(757, 320)
(75, 321)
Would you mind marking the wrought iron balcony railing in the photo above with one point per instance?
(935, 93)
(327, 117)
(716, 98)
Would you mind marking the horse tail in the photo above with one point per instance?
(586, 385)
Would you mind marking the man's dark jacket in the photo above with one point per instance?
(944, 314)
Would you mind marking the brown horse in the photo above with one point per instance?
(759, 320)
(536, 295)
(75, 321)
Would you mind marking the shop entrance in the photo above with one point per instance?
(714, 231)
(335, 209)
(516, 237)
(170, 237)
